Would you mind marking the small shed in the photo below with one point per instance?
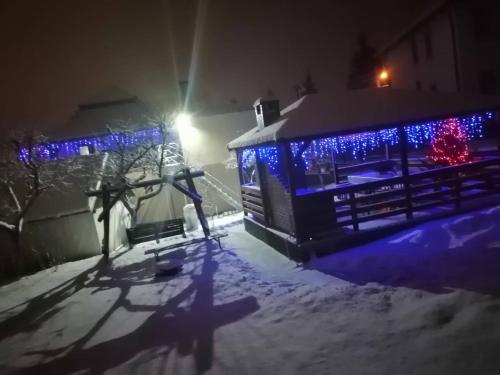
(334, 165)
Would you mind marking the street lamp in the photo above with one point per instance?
(183, 121)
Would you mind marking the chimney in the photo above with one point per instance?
(267, 111)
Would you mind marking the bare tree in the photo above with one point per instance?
(25, 174)
(129, 164)
(364, 64)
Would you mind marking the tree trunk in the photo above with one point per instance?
(13, 266)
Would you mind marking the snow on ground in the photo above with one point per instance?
(423, 301)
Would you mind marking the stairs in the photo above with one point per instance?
(224, 192)
(173, 157)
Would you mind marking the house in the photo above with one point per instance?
(62, 224)
(59, 212)
(204, 147)
(330, 166)
(454, 46)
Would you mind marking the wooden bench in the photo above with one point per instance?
(215, 237)
(154, 231)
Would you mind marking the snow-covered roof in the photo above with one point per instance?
(359, 110)
(115, 108)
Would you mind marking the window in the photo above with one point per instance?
(414, 50)
(257, 109)
(248, 168)
(428, 44)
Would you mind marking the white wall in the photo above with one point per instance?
(119, 221)
(439, 69)
(166, 205)
(205, 146)
(206, 142)
(64, 238)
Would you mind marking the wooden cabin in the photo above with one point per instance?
(330, 167)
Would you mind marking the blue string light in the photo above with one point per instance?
(71, 147)
(268, 155)
(248, 157)
(423, 133)
(358, 145)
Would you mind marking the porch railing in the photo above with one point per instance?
(355, 204)
(252, 202)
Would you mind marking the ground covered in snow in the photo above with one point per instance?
(424, 301)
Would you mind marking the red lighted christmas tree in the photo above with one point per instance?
(449, 146)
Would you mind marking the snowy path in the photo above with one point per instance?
(419, 302)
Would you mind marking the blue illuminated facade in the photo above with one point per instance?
(100, 143)
(358, 145)
(267, 154)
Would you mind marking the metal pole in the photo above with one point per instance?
(105, 211)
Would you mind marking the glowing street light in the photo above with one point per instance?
(183, 121)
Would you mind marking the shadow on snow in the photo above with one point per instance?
(455, 253)
(170, 326)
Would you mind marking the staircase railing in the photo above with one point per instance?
(228, 195)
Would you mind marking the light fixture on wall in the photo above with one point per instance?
(183, 121)
(384, 78)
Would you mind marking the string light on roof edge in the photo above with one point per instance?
(360, 144)
(268, 155)
(64, 149)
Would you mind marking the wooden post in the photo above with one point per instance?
(354, 214)
(457, 185)
(197, 203)
(495, 124)
(335, 169)
(387, 152)
(293, 190)
(263, 187)
(403, 147)
(240, 177)
(105, 210)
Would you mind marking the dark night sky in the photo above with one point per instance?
(56, 54)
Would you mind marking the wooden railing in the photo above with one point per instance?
(355, 204)
(252, 201)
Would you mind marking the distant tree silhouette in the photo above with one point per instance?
(364, 64)
(309, 85)
(305, 88)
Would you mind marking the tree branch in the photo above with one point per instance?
(14, 198)
(7, 226)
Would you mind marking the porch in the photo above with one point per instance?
(325, 170)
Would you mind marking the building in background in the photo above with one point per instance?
(204, 146)
(455, 46)
(62, 224)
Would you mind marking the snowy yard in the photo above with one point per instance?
(423, 301)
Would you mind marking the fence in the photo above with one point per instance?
(354, 204)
